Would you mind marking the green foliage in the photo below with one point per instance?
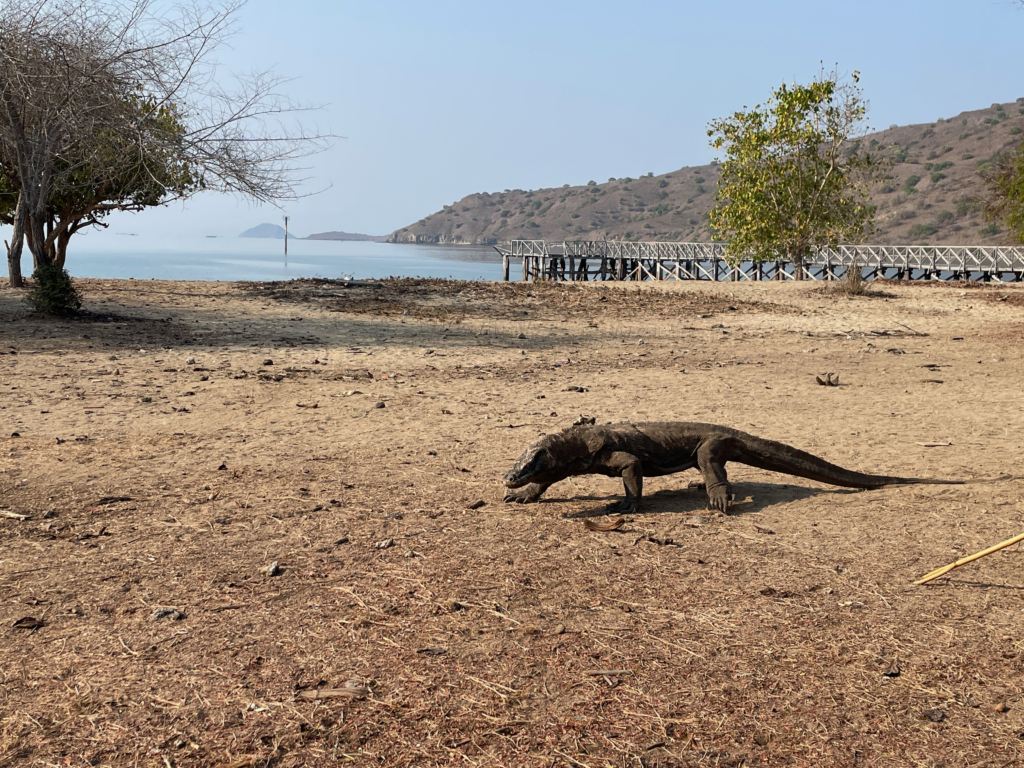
(938, 166)
(699, 179)
(922, 230)
(536, 204)
(900, 154)
(787, 184)
(943, 217)
(575, 216)
(591, 183)
(1015, 130)
(966, 156)
(910, 184)
(937, 177)
(53, 292)
(990, 230)
(627, 179)
(1006, 194)
(662, 184)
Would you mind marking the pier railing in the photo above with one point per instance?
(588, 260)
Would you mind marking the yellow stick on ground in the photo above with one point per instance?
(963, 561)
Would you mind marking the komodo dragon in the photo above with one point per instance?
(663, 448)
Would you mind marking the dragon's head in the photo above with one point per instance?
(537, 464)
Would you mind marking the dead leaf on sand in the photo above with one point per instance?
(604, 525)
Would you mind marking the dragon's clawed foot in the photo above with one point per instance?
(720, 497)
(625, 507)
(520, 496)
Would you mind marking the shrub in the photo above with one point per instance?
(662, 184)
(922, 230)
(611, 179)
(689, 200)
(1015, 130)
(937, 177)
(885, 190)
(853, 282)
(699, 179)
(591, 183)
(944, 216)
(966, 156)
(910, 183)
(575, 216)
(964, 207)
(627, 179)
(941, 166)
(900, 155)
(990, 230)
(53, 292)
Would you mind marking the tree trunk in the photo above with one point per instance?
(798, 265)
(62, 248)
(15, 246)
(37, 240)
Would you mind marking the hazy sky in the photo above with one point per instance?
(440, 99)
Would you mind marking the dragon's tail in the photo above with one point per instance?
(793, 461)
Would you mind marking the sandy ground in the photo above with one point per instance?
(181, 437)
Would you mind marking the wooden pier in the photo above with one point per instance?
(600, 260)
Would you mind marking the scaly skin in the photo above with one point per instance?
(631, 451)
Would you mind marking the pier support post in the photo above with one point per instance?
(504, 267)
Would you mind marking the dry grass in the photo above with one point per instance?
(407, 629)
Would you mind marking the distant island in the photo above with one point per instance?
(271, 231)
(275, 232)
(347, 236)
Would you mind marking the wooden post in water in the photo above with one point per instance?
(504, 267)
(285, 239)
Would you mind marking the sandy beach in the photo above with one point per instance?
(163, 451)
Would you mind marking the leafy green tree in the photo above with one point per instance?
(794, 176)
(1005, 201)
(118, 105)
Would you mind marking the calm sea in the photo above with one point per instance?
(106, 254)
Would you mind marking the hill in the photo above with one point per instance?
(347, 236)
(272, 231)
(930, 199)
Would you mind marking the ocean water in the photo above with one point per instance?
(109, 255)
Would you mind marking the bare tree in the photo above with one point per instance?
(117, 105)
